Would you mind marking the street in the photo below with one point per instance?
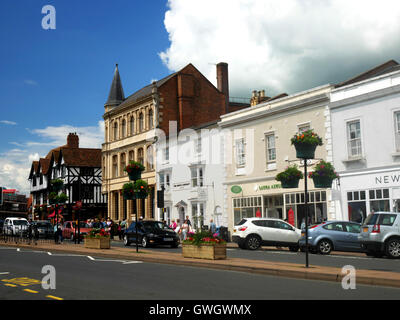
(333, 260)
(80, 277)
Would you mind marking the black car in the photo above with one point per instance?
(151, 233)
(45, 229)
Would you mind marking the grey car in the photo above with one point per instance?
(380, 234)
(332, 235)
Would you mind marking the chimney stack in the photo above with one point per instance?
(223, 82)
(73, 140)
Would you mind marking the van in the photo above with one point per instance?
(15, 226)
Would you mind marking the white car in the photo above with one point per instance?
(251, 233)
(14, 226)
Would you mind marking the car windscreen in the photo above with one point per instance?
(152, 226)
(44, 224)
(20, 223)
(243, 221)
(371, 219)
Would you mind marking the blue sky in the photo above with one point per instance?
(56, 81)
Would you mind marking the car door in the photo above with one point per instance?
(352, 232)
(286, 233)
(270, 231)
(336, 233)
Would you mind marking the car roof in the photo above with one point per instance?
(266, 218)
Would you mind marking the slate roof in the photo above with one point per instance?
(387, 67)
(116, 95)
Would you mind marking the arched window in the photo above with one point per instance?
(123, 128)
(131, 155)
(151, 119)
(115, 166)
(132, 126)
(115, 130)
(140, 156)
(150, 158)
(122, 164)
(141, 122)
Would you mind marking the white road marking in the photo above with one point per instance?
(91, 258)
(4, 273)
(49, 253)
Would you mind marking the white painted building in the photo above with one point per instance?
(191, 171)
(365, 121)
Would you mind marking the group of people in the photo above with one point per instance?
(183, 229)
(115, 229)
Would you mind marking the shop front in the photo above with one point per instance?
(365, 193)
(274, 202)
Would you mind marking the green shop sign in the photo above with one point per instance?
(236, 189)
(274, 186)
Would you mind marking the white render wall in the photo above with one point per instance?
(373, 102)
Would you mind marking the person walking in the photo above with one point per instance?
(213, 227)
(185, 229)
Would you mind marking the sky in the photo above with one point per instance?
(56, 81)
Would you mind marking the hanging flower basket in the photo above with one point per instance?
(305, 144)
(56, 185)
(134, 170)
(141, 189)
(128, 191)
(290, 184)
(290, 177)
(322, 182)
(323, 174)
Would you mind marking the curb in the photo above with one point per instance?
(288, 270)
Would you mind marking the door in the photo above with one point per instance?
(337, 233)
(286, 233)
(352, 232)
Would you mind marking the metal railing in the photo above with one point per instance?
(26, 234)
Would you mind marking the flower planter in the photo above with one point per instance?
(210, 252)
(141, 195)
(135, 174)
(322, 182)
(305, 151)
(290, 184)
(129, 196)
(97, 243)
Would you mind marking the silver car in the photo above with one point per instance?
(251, 233)
(380, 234)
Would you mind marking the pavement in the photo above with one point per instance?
(290, 270)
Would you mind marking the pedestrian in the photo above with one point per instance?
(185, 229)
(119, 230)
(59, 229)
(303, 224)
(213, 227)
(187, 221)
(173, 225)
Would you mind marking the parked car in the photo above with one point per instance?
(332, 235)
(151, 233)
(251, 233)
(1, 225)
(45, 228)
(380, 234)
(15, 226)
(70, 230)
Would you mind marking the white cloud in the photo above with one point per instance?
(281, 46)
(15, 164)
(11, 123)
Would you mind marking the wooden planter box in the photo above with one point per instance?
(97, 243)
(210, 252)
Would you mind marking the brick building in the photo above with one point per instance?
(131, 128)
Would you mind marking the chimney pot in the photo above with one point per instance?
(73, 140)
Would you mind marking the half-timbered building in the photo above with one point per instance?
(80, 170)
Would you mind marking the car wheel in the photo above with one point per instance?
(294, 248)
(241, 245)
(145, 243)
(253, 242)
(126, 240)
(393, 248)
(303, 249)
(325, 247)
